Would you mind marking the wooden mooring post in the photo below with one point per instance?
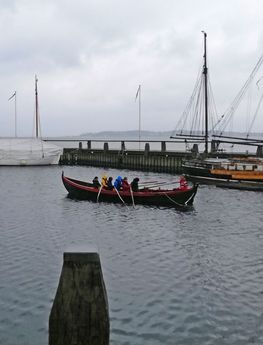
(80, 315)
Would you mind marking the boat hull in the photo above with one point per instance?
(227, 183)
(245, 174)
(28, 152)
(171, 198)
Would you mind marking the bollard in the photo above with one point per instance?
(147, 149)
(79, 315)
(106, 147)
(195, 149)
(259, 151)
(163, 146)
(123, 146)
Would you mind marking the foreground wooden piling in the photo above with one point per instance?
(79, 315)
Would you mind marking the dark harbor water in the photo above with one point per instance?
(172, 277)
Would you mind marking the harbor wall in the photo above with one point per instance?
(147, 159)
(144, 160)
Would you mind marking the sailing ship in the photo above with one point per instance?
(29, 151)
(216, 167)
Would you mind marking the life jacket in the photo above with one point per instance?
(104, 181)
(125, 185)
(118, 183)
(183, 183)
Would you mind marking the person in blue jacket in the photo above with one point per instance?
(118, 183)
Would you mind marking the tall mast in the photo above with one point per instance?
(205, 69)
(140, 118)
(138, 93)
(15, 117)
(37, 115)
(14, 96)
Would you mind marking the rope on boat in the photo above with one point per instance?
(176, 203)
(186, 203)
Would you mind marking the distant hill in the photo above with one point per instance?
(125, 135)
(145, 135)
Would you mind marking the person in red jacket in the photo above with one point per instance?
(183, 183)
(125, 184)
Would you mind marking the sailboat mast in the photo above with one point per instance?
(37, 115)
(138, 93)
(205, 70)
(15, 117)
(139, 117)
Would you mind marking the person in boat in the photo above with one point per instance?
(109, 183)
(96, 182)
(104, 181)
(183, 183)
(125, 184)
(118, 183)
(135, 184)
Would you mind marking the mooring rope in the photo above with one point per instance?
(176, 203)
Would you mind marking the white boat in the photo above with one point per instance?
(29, 151)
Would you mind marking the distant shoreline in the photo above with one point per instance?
(134, 134)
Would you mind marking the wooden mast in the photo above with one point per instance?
(205, 70)
(138, 93)
(37, 115)
(15, 117)
(139, 117)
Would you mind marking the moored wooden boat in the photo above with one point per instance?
(235, 173)
(256, 186)
(177, 197)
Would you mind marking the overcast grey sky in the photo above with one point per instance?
(91, 55)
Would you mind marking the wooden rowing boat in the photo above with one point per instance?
(177, 197)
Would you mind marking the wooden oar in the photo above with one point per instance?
(155, 184)
(132, 197)
(119, 196)
(147, 182)
(162, 184)
(99, 193)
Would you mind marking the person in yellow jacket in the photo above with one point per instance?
(104, 181)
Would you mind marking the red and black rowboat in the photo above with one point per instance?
(176, 197)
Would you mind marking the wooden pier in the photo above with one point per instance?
(161, 160)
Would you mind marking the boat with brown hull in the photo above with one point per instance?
(255, 186)
(177, 197)
(236, 169)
